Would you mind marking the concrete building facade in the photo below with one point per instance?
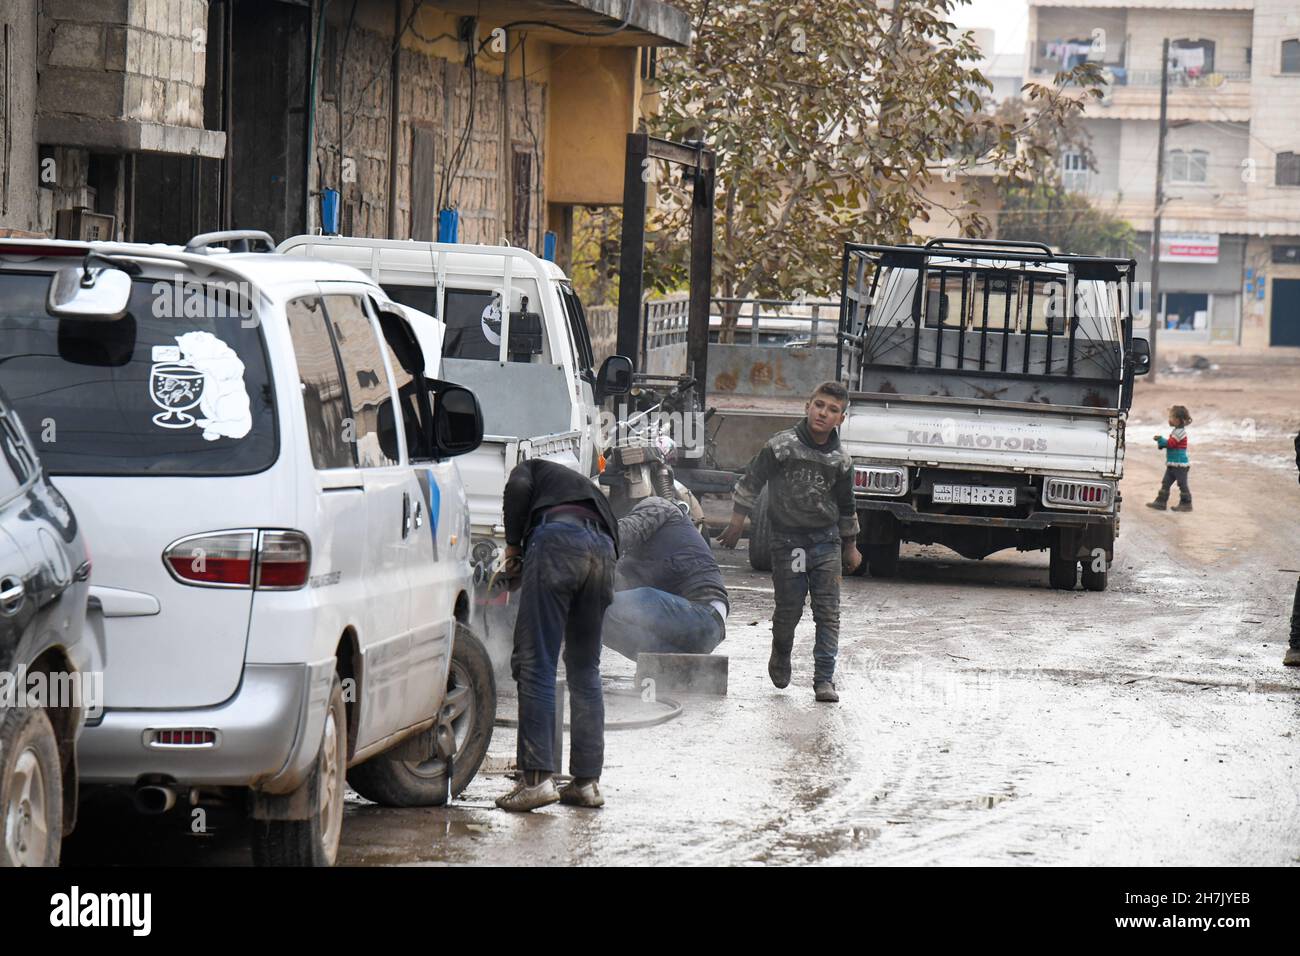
(1230, 266)
(175, 117)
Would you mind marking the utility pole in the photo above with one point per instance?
(1153, 301)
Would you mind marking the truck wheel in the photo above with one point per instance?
(315, 841)
(471, 704)
(882, 558)
(31, 789)
(1093, 580)
(1063, 572)
(760, 535)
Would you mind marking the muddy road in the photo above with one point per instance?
(985, 719)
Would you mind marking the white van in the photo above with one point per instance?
(259, 449)
(548, 405)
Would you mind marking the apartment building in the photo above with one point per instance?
(1230, 248)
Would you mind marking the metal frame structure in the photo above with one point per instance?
(699, 169)
(980, 260)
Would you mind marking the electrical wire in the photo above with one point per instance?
(452, 168)
(534, 172)
(384, 64)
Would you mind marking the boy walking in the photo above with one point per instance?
(814, 530)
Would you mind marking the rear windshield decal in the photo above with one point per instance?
(202, 372)
(491, 320)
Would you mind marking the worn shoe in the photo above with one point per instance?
(1292, 658)
(586, 794)
(778, 668)
(1183, 506)
(825, 692)
(524, 798)
(1160, 504)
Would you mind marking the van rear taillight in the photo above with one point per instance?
(284, 561)
(267, 560)
(223, 559)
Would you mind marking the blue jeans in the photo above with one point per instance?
(653, 621)
(568, 581)
(803, 565)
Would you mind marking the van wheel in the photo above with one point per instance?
(31, 789)
(1093, 580)
(760, 535)
(1062, 572)
(471, 704)
(315, 841)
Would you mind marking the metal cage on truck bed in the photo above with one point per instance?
(989, 320)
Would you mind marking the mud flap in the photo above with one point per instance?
(1083, 542)
(299, 804)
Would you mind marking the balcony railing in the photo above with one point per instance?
(1178, 79)
(1120, 76)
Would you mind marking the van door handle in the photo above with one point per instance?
(406, 514)
(11, 597)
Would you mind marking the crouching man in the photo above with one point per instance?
(561, 545)
(670, 597)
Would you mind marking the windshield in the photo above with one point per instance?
(178, 386)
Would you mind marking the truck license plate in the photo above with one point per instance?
(973, 495)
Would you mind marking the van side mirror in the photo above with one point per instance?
(1140, 356)
(457, 426)
(614, 378)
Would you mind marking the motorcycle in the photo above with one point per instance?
(640, 463)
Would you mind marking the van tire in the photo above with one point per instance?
(31, 789)
(1063, 573)
(392, 781)
(760, 535)
(315, 841)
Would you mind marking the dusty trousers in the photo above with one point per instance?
(803, 566)
(1295, 618)
(568, 582)
(1171, 476)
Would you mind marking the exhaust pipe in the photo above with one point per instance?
(154, 800)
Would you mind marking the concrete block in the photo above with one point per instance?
(116, 44)
(138, 14)
(683, 673)
(101, 11)
(135, 41)
(78, 45)
(81, 92)
(135, 94)
(162, 64)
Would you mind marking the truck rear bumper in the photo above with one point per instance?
(906, 513)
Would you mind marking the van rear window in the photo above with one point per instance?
(177, 386)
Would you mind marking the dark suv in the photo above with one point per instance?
(50, 667)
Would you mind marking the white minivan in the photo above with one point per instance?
(530, 363)
(260, 450)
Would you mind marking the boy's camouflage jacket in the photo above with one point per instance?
(812, 486)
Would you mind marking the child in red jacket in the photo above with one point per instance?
(1177, 464)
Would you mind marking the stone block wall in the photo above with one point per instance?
(434, 93)
(140, 60)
